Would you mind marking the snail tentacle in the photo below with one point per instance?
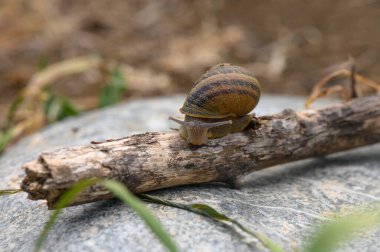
(196, 132)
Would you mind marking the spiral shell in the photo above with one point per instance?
(223, 91)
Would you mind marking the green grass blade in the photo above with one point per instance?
(67, 109)
(122, 193)
(268, 243)
(114, 89)
(58, 107)
(5, 137)
(65, 200)
(332, 233)
(13, 108)
(210, 212)
(9, 191)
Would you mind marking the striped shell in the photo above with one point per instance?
(223, 91)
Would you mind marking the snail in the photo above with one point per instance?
(218, 104)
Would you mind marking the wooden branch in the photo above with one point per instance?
(150, 161)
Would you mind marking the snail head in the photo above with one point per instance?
(197, 132)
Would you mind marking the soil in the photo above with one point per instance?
(164, 46)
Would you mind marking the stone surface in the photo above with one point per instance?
(285, 202)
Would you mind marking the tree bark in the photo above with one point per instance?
(151, 161)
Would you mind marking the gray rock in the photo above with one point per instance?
(285, 202)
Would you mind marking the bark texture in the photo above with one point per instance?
(151, 161)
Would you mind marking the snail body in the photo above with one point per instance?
(218, 104)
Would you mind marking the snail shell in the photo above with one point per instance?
(218, 104)
(224, 91)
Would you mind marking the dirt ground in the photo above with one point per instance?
(163, 46)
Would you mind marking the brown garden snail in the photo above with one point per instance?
(218, 104)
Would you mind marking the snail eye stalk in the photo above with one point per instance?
(197, 131)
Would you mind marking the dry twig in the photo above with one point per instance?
(150, 161)
(322, 89)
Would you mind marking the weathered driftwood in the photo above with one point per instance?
(150, 161)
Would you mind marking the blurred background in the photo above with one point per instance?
(61, 57)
